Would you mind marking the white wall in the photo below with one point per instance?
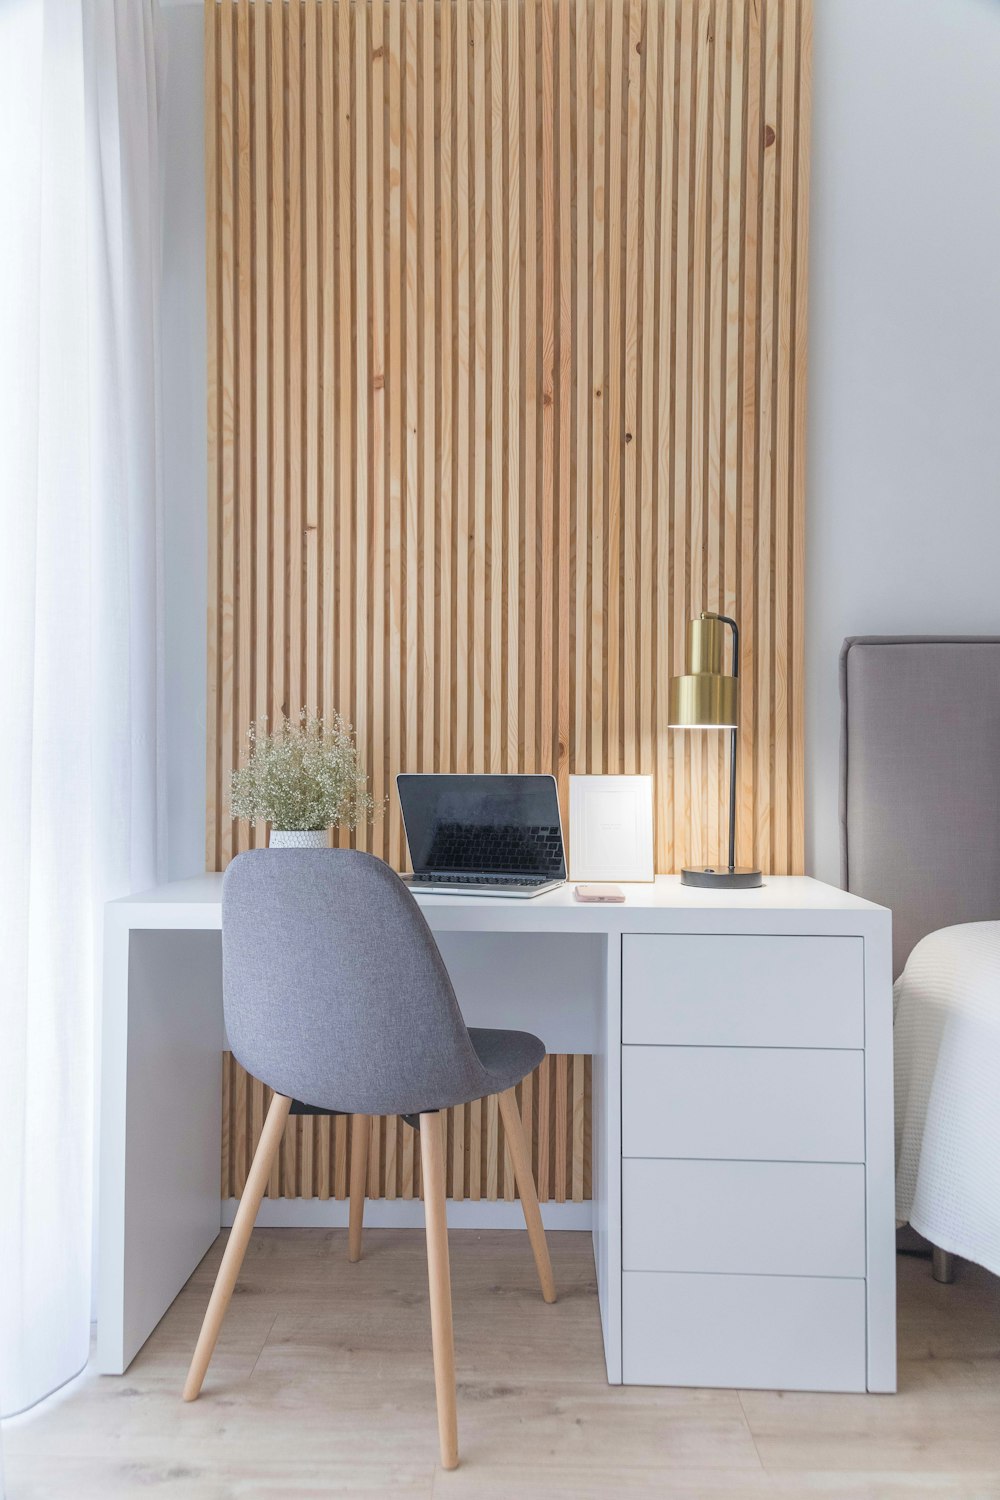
(903, 496)
(904, 403)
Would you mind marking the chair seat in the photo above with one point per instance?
(508, 1056)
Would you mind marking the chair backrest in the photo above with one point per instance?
(335, 992)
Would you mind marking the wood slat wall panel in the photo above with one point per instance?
(314, 1158)
(507, 316)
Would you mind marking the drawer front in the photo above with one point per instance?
(743, 991)
(743, 1103)
(792, 1333)
(765, 1217)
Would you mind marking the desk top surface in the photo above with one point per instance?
(664, 904)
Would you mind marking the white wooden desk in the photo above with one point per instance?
(747, 1034)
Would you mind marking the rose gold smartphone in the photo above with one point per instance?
(599, 893)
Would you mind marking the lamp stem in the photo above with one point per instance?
(732, 745)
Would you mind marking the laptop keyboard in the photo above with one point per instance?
(504, 849)
(521, 880)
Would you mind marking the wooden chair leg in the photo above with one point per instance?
(521, 1157)
(439, 1276)
(360, 1136)
(239, 1238)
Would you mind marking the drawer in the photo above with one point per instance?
(772, 1218)
(743, 991)
(743, 1103)
(791, 1333)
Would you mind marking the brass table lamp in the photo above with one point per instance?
(706, 698)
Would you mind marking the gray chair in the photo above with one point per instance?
(337, 998)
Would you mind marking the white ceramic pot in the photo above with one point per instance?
(298, 838)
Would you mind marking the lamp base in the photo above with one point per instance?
(721, 878)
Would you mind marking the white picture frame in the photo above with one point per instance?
(611, 828)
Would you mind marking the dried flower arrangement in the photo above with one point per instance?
(302, 775)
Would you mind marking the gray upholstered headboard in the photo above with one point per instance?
(920, 779)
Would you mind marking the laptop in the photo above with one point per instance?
(483, 835)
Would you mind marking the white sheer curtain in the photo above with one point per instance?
(80, 606)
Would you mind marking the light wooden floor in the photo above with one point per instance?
(322, 1385)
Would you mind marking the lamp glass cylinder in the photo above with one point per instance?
(706, 697)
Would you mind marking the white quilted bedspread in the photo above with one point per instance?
(947, 1048)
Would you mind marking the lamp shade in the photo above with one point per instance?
(705, 697)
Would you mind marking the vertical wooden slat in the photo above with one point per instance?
(796, 668)
(241, 1148)
(529, 685)
(215, 108)
(407, 1161)
(630, 413)
(543, 1176)
(564, 528)
(599, 729)
(492, 1143)
(295, 363)
(347, 506)
(341, 1128)
(510, 323)
(411, 378)
(443, 624)
(764, 682)
(361, 603)
(223, 722)
(226, 1143)
(665, 656)
(646, 521)
(463, 357)
(478, 539)
(394, 380)
(312, 322)
(498, 316)
(561, 1159)
(425, 244)
(475, 1150)
(373, 742)
(263, 489)
(579, 744)
(548, 682)
(617, 110)
(324, 1138)
(458, 1153)
(278, 694)
(746, 826)
(244, 704)
(575, 1186)
(390, 1168)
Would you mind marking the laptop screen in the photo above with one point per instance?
(491, 825)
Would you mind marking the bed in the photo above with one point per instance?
(920, 833)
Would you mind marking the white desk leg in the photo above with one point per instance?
(607, 1168)
(880, 1175)
(160, 1125)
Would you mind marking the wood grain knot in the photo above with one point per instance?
(378, 53)
(628, 437)
(768, 136)
(378, 383)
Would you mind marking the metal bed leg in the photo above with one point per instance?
(942, 1265)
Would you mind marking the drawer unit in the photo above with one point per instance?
(764, 1217)
(754, 1332)
(736, 991)
(743, 1103)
